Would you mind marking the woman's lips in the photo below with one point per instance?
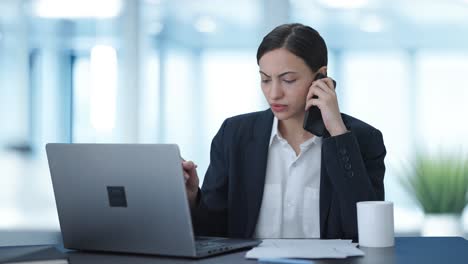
(278, 107)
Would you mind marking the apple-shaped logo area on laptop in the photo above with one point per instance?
(117, 197)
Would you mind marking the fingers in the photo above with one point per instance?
(186, 174)
(326, 84)
(189, 168)
(320, 85)
(316, 91)
(311, 103)
(189, 165)
(329, 83)
(324, 91)
(320, 94)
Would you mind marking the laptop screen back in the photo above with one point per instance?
(121, 197)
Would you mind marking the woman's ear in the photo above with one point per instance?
(323, 70)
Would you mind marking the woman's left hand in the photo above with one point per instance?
(327, 102)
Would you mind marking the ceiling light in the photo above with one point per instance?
(153, 2)
(77, 8)
(372, 24)
(104, 87)
(155, 28)
(205, 24)
(344, 3)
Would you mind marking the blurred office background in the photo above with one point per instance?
(161, 71)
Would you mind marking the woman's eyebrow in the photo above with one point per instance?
(281, 75)
(265, 74)
(284, 73)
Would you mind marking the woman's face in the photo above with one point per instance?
(285, 81)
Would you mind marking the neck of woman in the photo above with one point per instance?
(292, 130)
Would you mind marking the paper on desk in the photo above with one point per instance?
(52, 261)
(304, 248)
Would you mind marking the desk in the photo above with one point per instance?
(411, 250)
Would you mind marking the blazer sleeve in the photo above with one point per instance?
(356, 173)
(209, 217)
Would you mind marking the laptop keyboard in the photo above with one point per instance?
(215, 245)
(210, 244)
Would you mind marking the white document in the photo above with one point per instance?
(304, 248)
(52, 261)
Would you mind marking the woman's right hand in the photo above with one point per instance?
(191, 181)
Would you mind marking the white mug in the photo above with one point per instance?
(375, 224)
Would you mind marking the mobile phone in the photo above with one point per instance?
(313, 121)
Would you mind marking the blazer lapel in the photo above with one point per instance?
(255, 160)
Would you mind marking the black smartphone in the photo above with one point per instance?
(313, 121)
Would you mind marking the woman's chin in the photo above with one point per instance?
(282, 116)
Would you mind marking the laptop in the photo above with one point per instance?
(127, 198)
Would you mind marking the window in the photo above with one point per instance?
(94, 96)
(442, 98)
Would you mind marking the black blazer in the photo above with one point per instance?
(229, 203)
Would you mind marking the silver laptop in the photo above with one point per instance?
(127, 198)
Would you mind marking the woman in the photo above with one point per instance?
(270, 178)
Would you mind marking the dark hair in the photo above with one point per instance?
(303, 41)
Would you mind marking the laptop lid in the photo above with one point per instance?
(121, 197)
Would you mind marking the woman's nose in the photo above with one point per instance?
(276, 90)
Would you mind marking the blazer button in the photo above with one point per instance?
(345, 158)
(349, 174)
(347, 166)
(343, 151)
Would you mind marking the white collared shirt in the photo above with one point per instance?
(290, 205)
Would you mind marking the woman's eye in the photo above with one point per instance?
(289, 81)
(265, 81)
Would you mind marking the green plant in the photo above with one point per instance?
(438, 183)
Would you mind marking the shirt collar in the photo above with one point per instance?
(274, 130)
(276, 134)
